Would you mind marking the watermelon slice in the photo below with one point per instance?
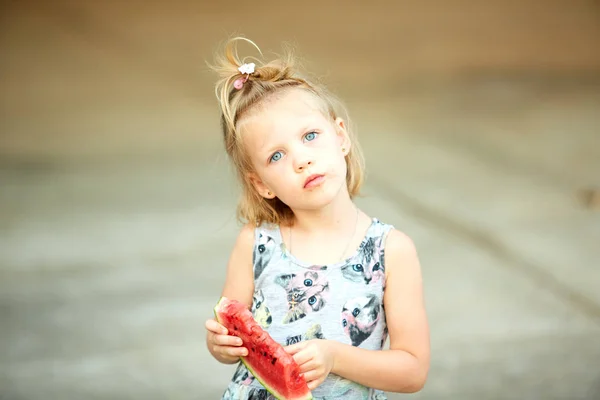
(275, 369)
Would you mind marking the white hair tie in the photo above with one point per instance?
(247, 68)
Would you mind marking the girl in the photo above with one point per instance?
(308, 262)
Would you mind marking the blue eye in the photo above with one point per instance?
(310, 136)
(355, 312)
(357, 267)
(276, 157)
(308, 282)
(312, 300)
(376, 267)
(344, 323)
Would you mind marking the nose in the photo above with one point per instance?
(302, 161)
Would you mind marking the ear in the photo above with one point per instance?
(260, 187)
(343, 137)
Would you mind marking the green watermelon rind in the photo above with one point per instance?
(269, 389)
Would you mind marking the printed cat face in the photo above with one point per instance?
(263, 251)
(371, 268)
(242, 376)
(359, 317)
(258, 394)
(243, 391)
(305, 293)
(260, 311)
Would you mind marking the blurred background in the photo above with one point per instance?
(481, 125)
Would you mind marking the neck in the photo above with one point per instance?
(337, 215)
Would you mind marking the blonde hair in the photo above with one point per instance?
(269, 79)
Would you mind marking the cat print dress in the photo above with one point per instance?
(295, 301)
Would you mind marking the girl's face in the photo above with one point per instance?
(297, 152)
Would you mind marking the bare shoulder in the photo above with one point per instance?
(400, 253)
(242, 247)
(399, 240)
(239, 279)
(245, 238)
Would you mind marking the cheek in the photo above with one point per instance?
(328, 149)
(277, 178)
(342, 165)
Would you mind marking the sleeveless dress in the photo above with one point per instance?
(295, 301)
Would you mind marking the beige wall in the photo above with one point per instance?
(92, 68)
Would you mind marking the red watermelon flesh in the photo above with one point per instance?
(275, 369)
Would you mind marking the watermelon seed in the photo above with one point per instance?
(264, 353)
(274, 360)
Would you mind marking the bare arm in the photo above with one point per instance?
(404, 367)
(239, 285)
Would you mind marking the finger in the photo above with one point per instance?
(237, 351)
(315, 380)
(227, 340)
(295, 348)
(213, 326)
(310, 365)
(231, 351)
(302, 357)
(312, 375)
(314, 384)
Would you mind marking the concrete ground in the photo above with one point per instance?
(117, 207)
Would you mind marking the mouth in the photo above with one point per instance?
(313, 181)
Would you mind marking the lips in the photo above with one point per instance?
(313, 180)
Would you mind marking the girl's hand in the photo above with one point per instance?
(222, 345)
(315, 358)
